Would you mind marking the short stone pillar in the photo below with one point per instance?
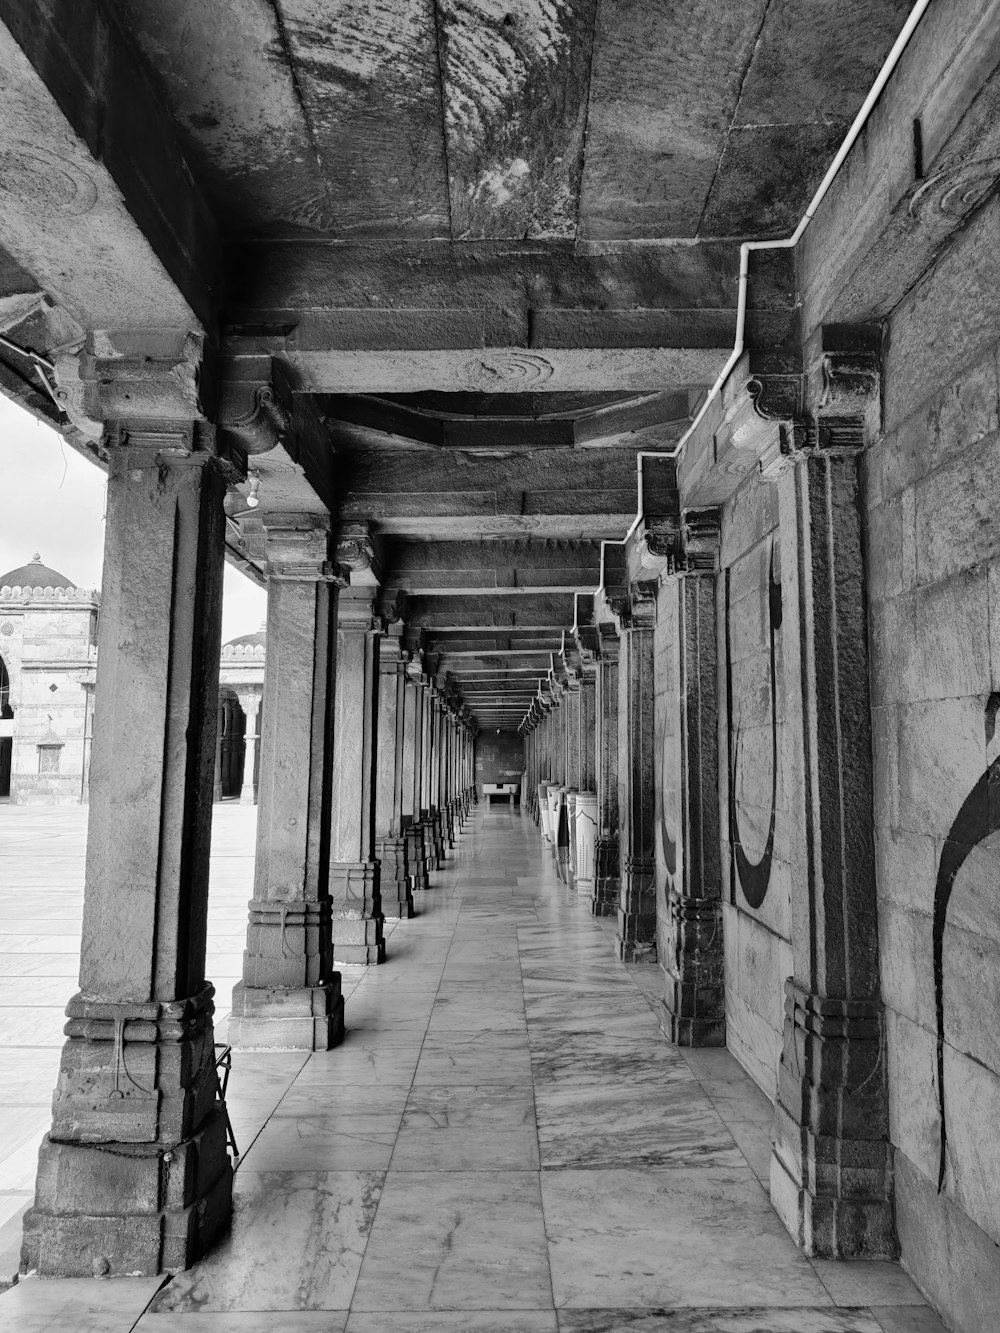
(636, 937)
(606, 861)
(290, 997)
(390, 837)
(689, 919)
(134, 1176)
(586, 841)
(831, 1167)
(355, 874)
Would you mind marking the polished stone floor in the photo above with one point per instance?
(505, 1140)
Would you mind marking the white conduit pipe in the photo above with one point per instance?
(788, 243)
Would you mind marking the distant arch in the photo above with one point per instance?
(232, 744)
(6, 742)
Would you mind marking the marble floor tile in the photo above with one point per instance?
(457, 1241)
(445, 1321)
(244, 1321)
(645, 1127)
(800, 1320)
(907, 1319)
(468, 1128)
(83, 1305)
(861, 1283)
(296, 1243)
(332, 1142)
(652, 1238)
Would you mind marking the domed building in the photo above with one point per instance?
(48, 666)
(48, 660)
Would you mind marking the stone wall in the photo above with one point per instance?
(933, 486)
(754, 808)
(499, 758)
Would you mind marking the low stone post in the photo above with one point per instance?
(290, 996)
(134, 1175)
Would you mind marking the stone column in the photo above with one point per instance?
(588, 727)
(571, 710)
(428, 809)
(355, 878)
(636, 938)
(134, 1176)
(290, 996)
(607, 881)
(251, 704)
(410, 795)
(689, 916)
(396, 882)
(831, 1167)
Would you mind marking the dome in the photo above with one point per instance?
(257, 639)
(35, 575)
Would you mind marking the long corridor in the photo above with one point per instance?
(505, 1141)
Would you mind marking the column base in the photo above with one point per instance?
(607, 884)
(280, 1018)
(134, 1176)
(396, 883)
(128, 1210)
(831, 1164)
(440, 837)
(288, 944)
(635, 941)
(416, 857)
(433, 859)
(694, 1008)
(248, 796)
(356, 903)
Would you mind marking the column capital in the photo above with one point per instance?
(356, 550)
(297, 546)
(700, 541)
(131, 376)
(357, 613)
(635, 608)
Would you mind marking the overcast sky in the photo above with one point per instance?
(52, 502)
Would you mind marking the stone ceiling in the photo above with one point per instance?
(489, 250)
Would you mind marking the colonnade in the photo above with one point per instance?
(630, 725)
(366, 776)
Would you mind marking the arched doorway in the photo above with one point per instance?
(6, 731)
(232, 749)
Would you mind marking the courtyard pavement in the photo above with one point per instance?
(504, 1143)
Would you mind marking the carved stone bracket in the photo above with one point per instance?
(254, 415)
(355, 551)
(701, 535)
(296, 546)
